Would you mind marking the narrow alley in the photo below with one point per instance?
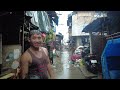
(64, 69)
(87, 44)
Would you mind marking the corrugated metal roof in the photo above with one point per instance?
(96, 25)
(113, 19)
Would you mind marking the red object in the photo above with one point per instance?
(43, 35)
(75, 56)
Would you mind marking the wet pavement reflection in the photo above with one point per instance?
(64, 69)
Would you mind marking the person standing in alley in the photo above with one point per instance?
(50, 48)
(35, 62)
(50, 54)
(53, 54)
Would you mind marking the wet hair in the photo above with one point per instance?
(34, 32)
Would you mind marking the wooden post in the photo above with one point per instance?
(0, 52)
(0, 48)
(91, 44)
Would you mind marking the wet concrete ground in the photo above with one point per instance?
(65, 70)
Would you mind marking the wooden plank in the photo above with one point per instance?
(7, 76)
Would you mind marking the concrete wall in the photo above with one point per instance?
(80, 20)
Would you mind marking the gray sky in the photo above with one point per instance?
(63, 20)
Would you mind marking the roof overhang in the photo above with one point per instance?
(53, 16)
(96, 25)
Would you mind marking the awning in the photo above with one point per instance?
(96, 25)
(53, 16)
(27, 22)
(39, 20)
(112, 20)
(34, 17)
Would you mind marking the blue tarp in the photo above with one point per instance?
(110, 59)
(96, 25)
(112, 19)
